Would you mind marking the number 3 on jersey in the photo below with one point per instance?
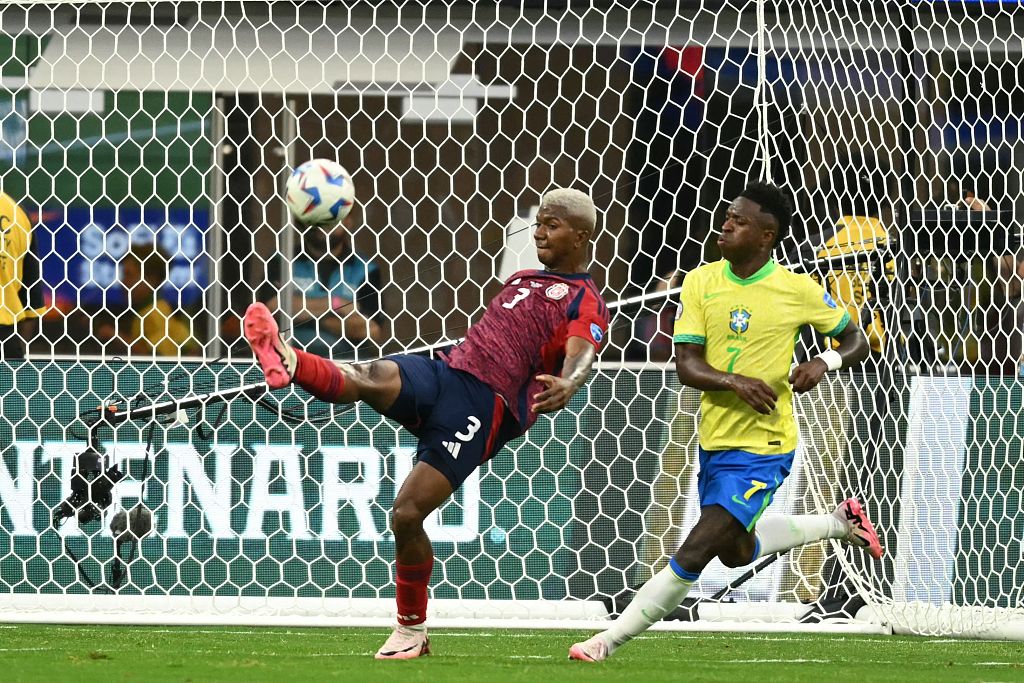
(523, 293)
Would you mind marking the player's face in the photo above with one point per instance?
(132, 273)
(134, 282)
(556, 239)
(747, 231)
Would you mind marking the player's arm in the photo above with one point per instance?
(695, 372)
(831, 319)
(852, 350)
(579, 359)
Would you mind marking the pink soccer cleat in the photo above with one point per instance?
(405, 643)
(275, 358)
(592, 650)
(861, 532)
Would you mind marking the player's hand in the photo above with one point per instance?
(555, 396)
(807, 375)
(755, 392)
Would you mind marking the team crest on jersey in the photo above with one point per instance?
(829, 301)
(557, 291)
(739, 320)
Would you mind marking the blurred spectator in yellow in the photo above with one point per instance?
(21, 291)
(153, 326)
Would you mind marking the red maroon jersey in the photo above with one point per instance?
(524, 331)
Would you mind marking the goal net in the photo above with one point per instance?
(142, 133)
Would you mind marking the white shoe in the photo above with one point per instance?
(405, 643)
(593, 650)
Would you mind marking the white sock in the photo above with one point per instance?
(654, 600)
(782, 532)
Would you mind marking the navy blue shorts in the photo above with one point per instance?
(458, 419)
(741, 482)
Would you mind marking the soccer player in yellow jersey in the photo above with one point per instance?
(734, 340)
(21, 294)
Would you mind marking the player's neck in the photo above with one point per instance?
(566, 269)
(744, 268)
(569, 264)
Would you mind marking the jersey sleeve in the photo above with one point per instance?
(824, 313)
(689, 325)
(588, 317)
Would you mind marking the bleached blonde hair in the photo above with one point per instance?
(577, 205)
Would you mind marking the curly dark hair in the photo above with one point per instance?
(774, 201)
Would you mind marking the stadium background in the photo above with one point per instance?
(94, 139)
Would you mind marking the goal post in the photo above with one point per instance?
(895, 127)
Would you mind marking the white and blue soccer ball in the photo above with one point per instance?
(320, 193)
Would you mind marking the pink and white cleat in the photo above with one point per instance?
(405, 643)
(593, 650)
(861, 532)
(275, 357)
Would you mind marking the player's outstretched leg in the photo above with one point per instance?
(860, 530)
(275, 357)
(715, 531)
(652, 602)
(848, 524)
(378, 382)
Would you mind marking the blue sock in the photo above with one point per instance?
(682, 573)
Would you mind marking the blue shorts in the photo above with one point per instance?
(459, 420)
(741, 482)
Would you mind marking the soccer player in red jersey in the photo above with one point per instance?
(530, 352)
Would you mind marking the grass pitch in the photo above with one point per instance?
(68, 654)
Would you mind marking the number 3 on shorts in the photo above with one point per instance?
(757, 486)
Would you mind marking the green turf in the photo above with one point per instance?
(66, 654)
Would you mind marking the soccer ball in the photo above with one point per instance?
(320, 193)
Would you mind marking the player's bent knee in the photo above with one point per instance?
(380, 372)
(735, 557)
(406, 516)
(697, 551)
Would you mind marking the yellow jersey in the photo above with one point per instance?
(18, 284)
(750, 327)
(162, 330)
(858, 234)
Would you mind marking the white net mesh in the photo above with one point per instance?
(148, 145)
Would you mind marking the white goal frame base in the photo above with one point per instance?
(755, 617)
